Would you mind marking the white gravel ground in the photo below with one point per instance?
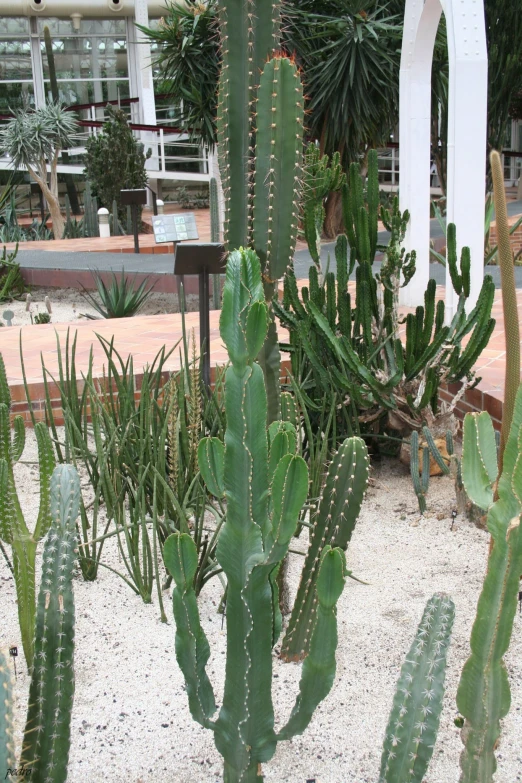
(68, 305)
(131, 720)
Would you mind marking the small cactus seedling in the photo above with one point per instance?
(417, 705)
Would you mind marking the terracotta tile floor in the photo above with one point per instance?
(123, 244)
(143, 337)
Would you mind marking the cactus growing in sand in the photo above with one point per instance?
(265, 485)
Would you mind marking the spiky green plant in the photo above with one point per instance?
(45, 749)
(483, 696)
(417, 705)
(265, 485)
(13, 528)
(119, 300)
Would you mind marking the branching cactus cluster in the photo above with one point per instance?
(45, 749)
(483, 696)
(13, 527)
(260, 140)
(265, 486)
(355, 351)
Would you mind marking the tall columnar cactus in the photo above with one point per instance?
(417, 705)
(333, 524)
(509, 300)
(45, 749)
(260, 132)
(13, 528)
(214, 237)
(90, 212)
(265, 488)
(483, 695)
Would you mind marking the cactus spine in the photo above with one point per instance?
(265, 491)
(13, 528)
(333, 524)
(509, 301)
(45, 749)
(483, 695)
(417, 705)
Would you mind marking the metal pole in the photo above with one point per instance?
(135, 227)
(204, 325)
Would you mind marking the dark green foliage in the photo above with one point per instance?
(119, 300)
(115, 160)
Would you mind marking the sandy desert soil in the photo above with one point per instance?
(131, 720)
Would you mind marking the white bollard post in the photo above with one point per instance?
(161, 206)
(103, 222)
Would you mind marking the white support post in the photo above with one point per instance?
(467, 120)
(213, 170)
(145, 83)
(103, 222)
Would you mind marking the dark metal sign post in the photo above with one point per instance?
(134, 198)
(203, 260)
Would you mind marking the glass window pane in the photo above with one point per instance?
(93, 26)
(11, 95)
(15, 25)
(90, 91)
(15, 59)
(83, 58)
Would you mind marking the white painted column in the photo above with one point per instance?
(467, 137)
(467, 125)
(421, 21)
(213, 170)
(145, 83)
(37, 64)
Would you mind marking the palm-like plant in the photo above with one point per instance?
(33, 139)
(188, 57)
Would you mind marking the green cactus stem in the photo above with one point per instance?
(45, 749)
(7, 742)
(333, 525)
(414, 719)
(483, 695)
(265, 486)
(509, 301)
(13, 528)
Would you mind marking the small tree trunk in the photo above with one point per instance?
(333, 222)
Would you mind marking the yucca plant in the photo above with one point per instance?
(119, 300)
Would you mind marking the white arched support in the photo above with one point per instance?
(467, 129)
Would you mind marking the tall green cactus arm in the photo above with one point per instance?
(211, 455)
(249, 32)
(414, 720)
(6, 505)
(18, 444)
(7, 744)
(483, 695)
(47, 464)
(333, 524)
(479, 459)
(509, 301)
(45, 749)
(279, 151)
(192, 649)
(5, 394)
(319, 667)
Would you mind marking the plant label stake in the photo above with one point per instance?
(13, 652)
(134, 198)
(202, 260)
(453, 518)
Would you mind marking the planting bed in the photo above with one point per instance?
(131, 720)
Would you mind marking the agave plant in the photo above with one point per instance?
(121, 299)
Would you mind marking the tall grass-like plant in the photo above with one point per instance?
(120, 299)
